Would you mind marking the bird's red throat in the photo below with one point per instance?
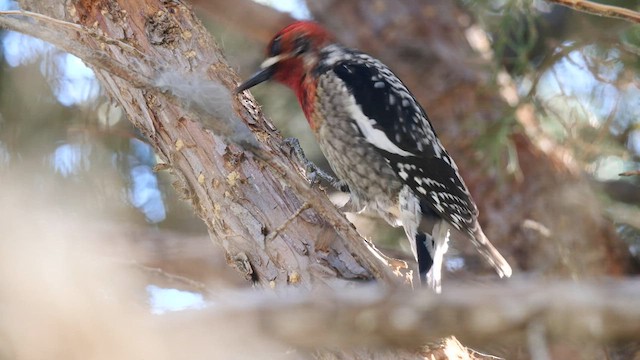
(296, 78)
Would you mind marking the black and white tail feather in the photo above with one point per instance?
(393, 122)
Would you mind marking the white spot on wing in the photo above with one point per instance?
(436, 202)
(432, 183)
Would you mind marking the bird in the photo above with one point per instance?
(379, 142)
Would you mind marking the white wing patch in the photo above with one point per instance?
(421, 133)
(373, 136)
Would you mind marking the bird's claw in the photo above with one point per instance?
(314, 174)
(341, 185)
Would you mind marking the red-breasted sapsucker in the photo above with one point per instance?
(379, 141)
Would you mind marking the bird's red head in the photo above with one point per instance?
(291, 54)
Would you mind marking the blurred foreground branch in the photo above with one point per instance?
(604, 312)
(594, 8)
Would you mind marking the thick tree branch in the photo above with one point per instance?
(220, 177)
(594, 8)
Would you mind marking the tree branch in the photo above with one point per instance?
(630, 173)
(603, 312)
(594, 8)
(217, 175)
(60, 33)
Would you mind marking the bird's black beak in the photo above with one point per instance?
(257, 78)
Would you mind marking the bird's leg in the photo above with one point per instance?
(314, 173)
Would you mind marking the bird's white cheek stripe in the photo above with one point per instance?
(270, 61)
(374, 136)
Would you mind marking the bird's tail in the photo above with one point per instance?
(490, 253)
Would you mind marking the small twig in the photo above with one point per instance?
(196, 285)
(173, 277)
(550, 61)
(484, 355)
(284, 225)
(593, 8)
(630, 173)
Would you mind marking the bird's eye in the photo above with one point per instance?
(302, 45)
(276, 46)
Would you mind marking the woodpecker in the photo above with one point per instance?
(379, 141)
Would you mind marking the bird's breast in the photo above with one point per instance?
(352, 158)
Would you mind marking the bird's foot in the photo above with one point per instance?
(313, 172)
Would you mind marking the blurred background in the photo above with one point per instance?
(537, 99)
